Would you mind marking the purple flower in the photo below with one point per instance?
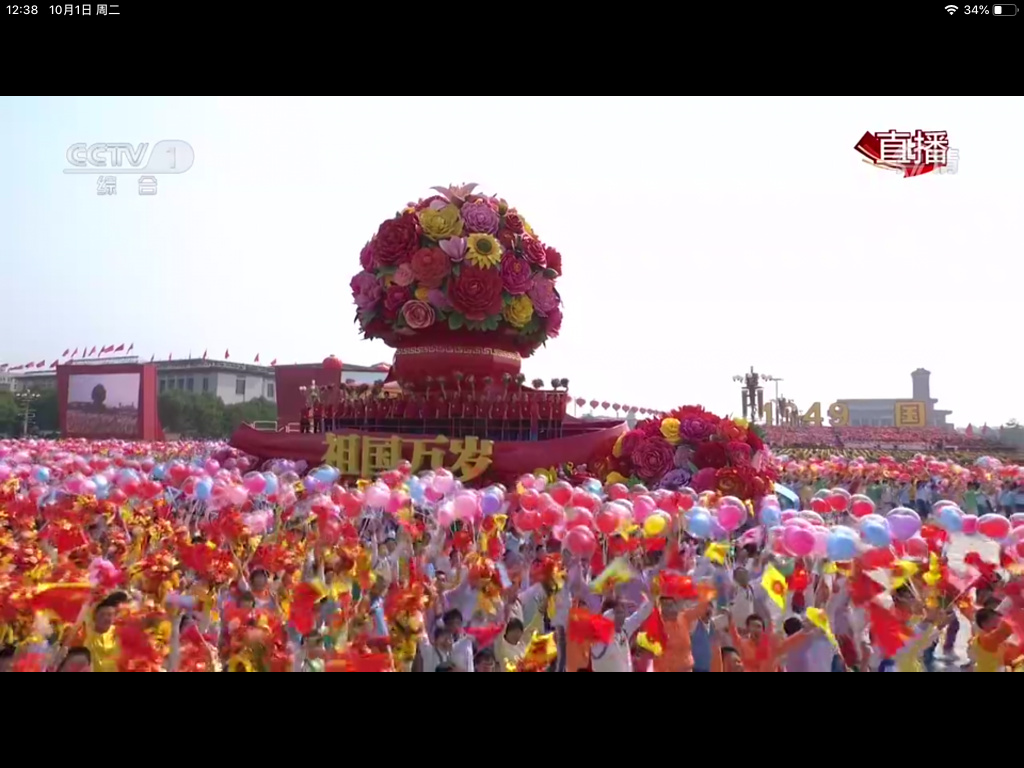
(696, 430)
(675, 479)
(543, 295)
(683, 455)
(366, 290)
(439, 299)
(454, 248)
(479, 217)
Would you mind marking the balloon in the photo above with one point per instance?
(445, 516)
(839, 499)
(491, 501)
(617, 491)
(643, 506)
(799, 541)
(875, 533)
(561, 492)
(686, 498)
(952, 519)
(1017, 519)
(553, 516)
(607, 520)
(821, 506)
(698, 523)
(529, 499)
(812, 517)
(917, 548)
(861, 506)
(41, 475)
(255, 482)
(464, 505)
(820, 542)
(771, 516)
(592, 485)
(580, 518)
(527, 520)
(204, 489)
(841, 548)
(994, 527)
(970, 525)
(581, 542)
(731, 516)
(656, 524)
(444, 481)
(376, 496)
(875, 559)
(270, 483)
(904, 523)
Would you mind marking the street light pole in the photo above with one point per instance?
(25, 398)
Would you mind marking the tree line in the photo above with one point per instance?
(187, 414)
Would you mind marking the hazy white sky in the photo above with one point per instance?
(700, 236)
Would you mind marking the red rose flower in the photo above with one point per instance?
(553, 259)
(395, 297)
(534, 251)
(704, 480)
(430, 266)
(739, 453)
(652, 458)
(631, 441)
(730, 430)
(710, 455)
(513, 223)
(508, 239)
(397, 239)
(476, 293)
(754, 441)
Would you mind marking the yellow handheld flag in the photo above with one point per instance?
(818, 618)
(717, 553)
(617, 572)
(775, 585)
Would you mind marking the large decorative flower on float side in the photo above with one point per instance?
(459, 261)
(690, 446)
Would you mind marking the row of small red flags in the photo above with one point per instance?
(99, 351)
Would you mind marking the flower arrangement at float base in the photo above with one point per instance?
(459, 260)
(692, 447)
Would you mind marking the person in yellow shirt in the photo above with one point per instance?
(989, 647)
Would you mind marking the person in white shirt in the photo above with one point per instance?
(747, 600)
(616, 656)
(450, 646)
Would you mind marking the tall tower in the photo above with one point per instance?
(922, 386)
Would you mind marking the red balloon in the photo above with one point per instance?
(561, 492)
(581, 542)
(581, 498)
(686, 501)
(581, 518)
(994, 526)
(862, 508)
(874, 559)
(527, 520)
(529, 499)
(607, 521)
(552, 516)
(667, 502)
(821, 506)
(617, 491)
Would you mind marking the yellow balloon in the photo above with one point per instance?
(655, 525)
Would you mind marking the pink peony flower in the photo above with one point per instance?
(534, 252)
(652, 458)
(454, 248)
(404, 275)
(439, 299)
(480, 217)
(705, 480)
(418, 314)
(516, 275)
(366, 256)
(366, 290)
(543, 295)
(554, 325)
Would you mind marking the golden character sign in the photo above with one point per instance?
(911, 414)
(364, 456)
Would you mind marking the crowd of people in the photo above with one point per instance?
(159, 558)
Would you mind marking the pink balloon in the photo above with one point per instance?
(970, 524)
(87, 488)
(445, 515)
(799, 522)
(788, 515)
(376, 496)
(730, 517)
(580, 518)
(561, 492)
(255, 483)
(465, 505)
(799, 541)
(643, 506)
(581, 542)
(397, 501)
(1017, 519)
(917, 548)
(820, 542)
(211, 466)
(812, 517)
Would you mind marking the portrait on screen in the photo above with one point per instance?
(103, 404)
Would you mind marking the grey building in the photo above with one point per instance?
(882, 413)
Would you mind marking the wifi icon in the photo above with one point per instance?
(951, 9)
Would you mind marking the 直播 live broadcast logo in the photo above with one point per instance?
(912, 154)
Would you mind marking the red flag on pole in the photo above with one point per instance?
(41, 363)
(17, 368)
(74, 353)
(29, 365)
(227, 356)
(53, 364)
(257, 358)
(152, 358)
(204, 354)
(66, 352)
(131, 347)
(120, 348)
(169, 356)
(92, 352)
(273, 362)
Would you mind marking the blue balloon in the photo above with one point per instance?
(41, 474)
(876, 534)
(272, 485)
(204, 488)
(592, 485)
(951, 519)
(699, 523)
(771, 516)
(841, 549)
(159, 472)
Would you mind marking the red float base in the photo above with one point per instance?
(509, 459)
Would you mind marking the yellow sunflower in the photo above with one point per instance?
(483, 251)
